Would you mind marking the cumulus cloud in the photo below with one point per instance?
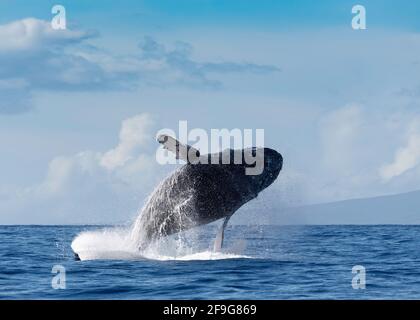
(406, 157)
(31, 35)
(133, 135)
(90, 186)
(349, 162)
(36, 57)
(64, 170)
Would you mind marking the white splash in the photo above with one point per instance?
(117, 244)
(108, 243)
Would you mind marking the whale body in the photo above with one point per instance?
(201, 192)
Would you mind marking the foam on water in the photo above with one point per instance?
(117, 244)
(205, 255)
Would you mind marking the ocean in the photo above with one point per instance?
(257, 262)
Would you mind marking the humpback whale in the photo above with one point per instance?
(207, 188)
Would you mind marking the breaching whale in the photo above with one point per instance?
(207, 188)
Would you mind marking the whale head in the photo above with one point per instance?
(268, 164)
(256, 169)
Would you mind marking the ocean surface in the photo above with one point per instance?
(257, 262)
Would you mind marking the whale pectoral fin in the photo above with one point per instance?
(181, 151)
(218, 242)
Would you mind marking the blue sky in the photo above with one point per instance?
(79, 108)
(245, 13)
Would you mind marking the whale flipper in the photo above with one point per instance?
(218, 242)
(181, 151)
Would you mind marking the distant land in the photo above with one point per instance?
(401, 208)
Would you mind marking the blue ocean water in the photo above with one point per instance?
(268, 262)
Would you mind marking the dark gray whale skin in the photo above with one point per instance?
(198, 194)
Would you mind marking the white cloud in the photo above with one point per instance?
(113, 165)
(63, 171)
(30, 35)
(338, 157)
(36, 57)
(133, 135)
(406, 158)
(33, 56)
(354, 141)
(90, 186)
